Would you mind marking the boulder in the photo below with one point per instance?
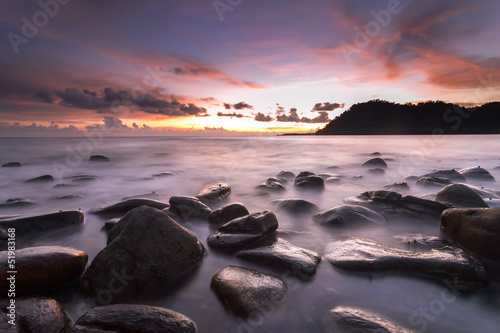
(397, 186)
(434, 181)
(376, 154)
(26, 225)
(295, 206)
(411, 179)
(308, 180)
(146, 251)
(349, 215)
(41, 179)
(474, 229)
(485, 193)
(244, 230)
(123, 207)
(11, 165)
(477, 173)
(301, 262)
(214, 194)
(246, 292)
(421, 242)
(356, 254)
(125, 318)
(98, 158)
(286, 175)
(227, 213)
(272, 185)
(451, 175)
(189, 208)
(361, 320)
(42, 269)
(152, 194)
(35, 315)
(375, 162)
(376, 171)
(17, 203)
(460, 196)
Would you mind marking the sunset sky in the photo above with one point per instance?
(204, 67)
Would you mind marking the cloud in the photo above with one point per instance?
(232, 115)
(44, 97)
(327, 106)
(293, 117)
(17, 130)
(262, 117)
(238, 106)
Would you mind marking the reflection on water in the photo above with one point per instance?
(245, 163)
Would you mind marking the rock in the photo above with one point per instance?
(17, 203)
(33, 315)
(11, 165)
(360, 320)
(189, 208)
(460, 196)
(377, 171)
(227, 213)
(451, 175)
(421, 242)
(376, 154)
(333, 180)
(286, 175)
(375, 162)
(356, 254)
(68, 197)
(164, 174)
(301, 262)
(334, 167)
(123, 207)
(309, 180)
(474, 229)
(41, 179)
(84, 179)
(279, 180)
(43, 269)
(128, 318)
(148, 250)
(496, 168)
(108, 225)
(272, 185)
(64, 185)
(295, 206)
(26, 225)
(397, 186)
(244, 230)
(477, 174)
(411, 179)
(214, 194)
(434, 181)
(246, 292)
(390, 203)
(98, 158)
(152, 194)
(485, 193)
(349, 215)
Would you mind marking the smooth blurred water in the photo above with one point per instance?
(245, 163)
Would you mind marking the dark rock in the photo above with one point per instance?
(474, 229)
(98, 158)
(434, 181)
(301, 262)
(189, 208)
(349, 215)
(244, 230)
(227, 213)
(389, 159)
(451, 175)
(108, 226)
(279, 180)
(17, 203)
(460, 196)
(64, 185)
(152, 194)
(477, 174)
(360, 320)
(123, 207)
(84, 179)
(421, 242)
(133, 318)
(485, 193)
(35, 223)
(295, 206)
(41, 179)
(334, 167)
(309, 180)
(68, 197)
(11, 165)
(246, 292)
(272, 185)
(165, 174)
(150, 251)
(43, 269)
(286, 175)
(411, 179)
(397, 186)
(376, 154)
(40, 314)
(364, 255)
(214, 194)
(377, 171)
(375, 162)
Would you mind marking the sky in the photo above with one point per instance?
(235, 67)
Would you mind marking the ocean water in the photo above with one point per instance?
(245, 163)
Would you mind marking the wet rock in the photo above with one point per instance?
(421, 242)
(108, 225)
(43, 269)
(295, 206)
(164, 174)
(349, 215)
(474, 229)
(41, 179)
(360, 320)
(330, 175)
(244, 230)
(148, 250)
(451, 175)
(411, 179)
(434, 181)
(286, 175)
(376, 154)
(397, 186)
(485, 193)
(17, 203)
(376, 171)
(227, 213)
(147, 195)
(214, 193)
(98, 158)
(125, 318)
(189, 208)
(308, 180)
(123, 207)
(34, 315)
(333, 180)
(11, 165)
(32, 224)
(460, 196)
(68, 197)
(477, 174)
(356, 254)
(301, 262)
(390, 203)
(375, 162)
(246, 292)
(271, 185)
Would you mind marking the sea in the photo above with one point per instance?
(244, 163)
